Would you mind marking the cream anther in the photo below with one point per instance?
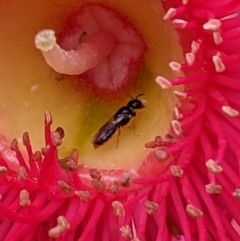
(217, 38)
(218, 64)
(180, 94)
(176, 171)
(118, 209)
(236, 194)
(160, 155)
(230, 111)
(24, 199)
(22, 174)
(212, 25)
(193, 211)
(213, 167)
(190, 58)
(175, 66)
(150, 207)
(83, 195)
(126, 232)
(177, 113)
(164, 83)
(213, 189)
(169, 14)
(179, 23)
(62, 225)
(176, 127)
(195, 47)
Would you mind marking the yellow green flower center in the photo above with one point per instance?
(30, 86)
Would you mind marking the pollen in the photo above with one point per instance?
(118, 209)
(24, 198)
(62, 225)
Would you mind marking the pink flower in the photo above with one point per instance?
(187, 184)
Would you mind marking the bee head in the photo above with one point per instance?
(135, 104)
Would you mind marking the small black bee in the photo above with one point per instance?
(119, 119)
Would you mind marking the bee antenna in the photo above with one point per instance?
(131, 97)
(139, 95)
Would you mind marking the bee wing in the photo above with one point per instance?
(106, 131)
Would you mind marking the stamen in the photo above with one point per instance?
(213, 189)
(195, 47)
(118, 209)
(22, 174)
(219, 66)
(179, 23)
(176, 171)
(176, 127)
(175, 66)
(95, 174)
(74, 155)
(236, 194)
(126, 232)
(114, 187)
(125, 180)
(213, 167)
(83, 195)
(180, 94)
(24, 198)
(169, 14)
(98, 185)
(60, 131)
(193, 211)
(217, 38)
(176, 113)
(56, 138)
(62, 226)
(72, 164)
(14, 145)
(161, 155)
(37, 156)
(190, 58)
(151, 207)
(48, 118)
(230, 111)
(164, 83)
(26, 139)
(64, 186)
(212, 25)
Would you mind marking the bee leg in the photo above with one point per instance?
(129, 127)
(119, 132)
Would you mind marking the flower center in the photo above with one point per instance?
(79, 112)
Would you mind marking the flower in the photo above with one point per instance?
(188, 184)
